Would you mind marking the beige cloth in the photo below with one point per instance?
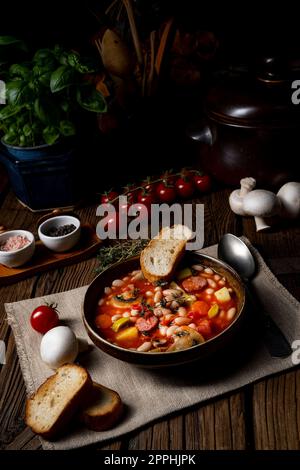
(150, 394)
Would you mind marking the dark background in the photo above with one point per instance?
(246, 30)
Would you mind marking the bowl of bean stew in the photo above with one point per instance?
(190, 317)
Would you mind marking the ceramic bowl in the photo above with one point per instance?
(163, 359)
(64, 242)
(16, 258)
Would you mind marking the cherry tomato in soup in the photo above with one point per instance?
(185, 187)
(202, 183)
(166, 193)
(44, 318)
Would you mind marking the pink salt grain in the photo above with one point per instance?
(14, 243)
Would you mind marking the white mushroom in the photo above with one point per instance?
(236, 198)
(261, 203)
(289, 196)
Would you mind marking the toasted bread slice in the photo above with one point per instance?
(104, 409)
(161, 256)
(52, 406)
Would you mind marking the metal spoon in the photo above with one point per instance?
(235, 252)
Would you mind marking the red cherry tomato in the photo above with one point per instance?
(131, 193)
(166, 193)
(146, 198)
(148, 186)
(109, 196)
(168, 178)
(202, 183)
(185, 187)
(44, 318)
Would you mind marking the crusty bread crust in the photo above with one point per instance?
(177, 256)
(62, 420)
(102, 417)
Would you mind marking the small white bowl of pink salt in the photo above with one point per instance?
(16, 248)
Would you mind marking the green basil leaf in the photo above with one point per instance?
(11, 139)
(81, 65)
(9, 111)
(61, 78)
(51, 135)
(46, 110)
(18, 93)
(27, 130)
(20, 70)
(91, 99)
(67, 128)
(12, 41)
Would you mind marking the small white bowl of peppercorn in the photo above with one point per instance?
(60, 233)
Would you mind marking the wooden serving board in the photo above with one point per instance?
(45, 259)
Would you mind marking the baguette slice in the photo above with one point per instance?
(51, 407)
(104, 409)
(161, 256)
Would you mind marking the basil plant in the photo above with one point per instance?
(44, 96)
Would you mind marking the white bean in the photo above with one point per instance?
(134, 312)
(211, 283)
(197, 267)
(138, 277)
(222, 314)
(174, 305)
(169, 316)
(163, 330)
(208, 271)
(126, 278)
(118, 283)
(182, 312)
(182, 321)
(221, 283)
(149, 293)
(144, 347)
(209, 291)
(171, 330)
(100, 302)
(157, 296)
(230, 313)
(193, 325)
(115, 317)
(107, 290)
(217, 277)
(172, 293)
(126, 315)
(230, 290)
(158, 289)
(137, 271)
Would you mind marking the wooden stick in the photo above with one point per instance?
(134, 32)
(162, 45)
(152, 61)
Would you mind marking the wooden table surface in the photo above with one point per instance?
(264, 416)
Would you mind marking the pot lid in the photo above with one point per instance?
(254, 100)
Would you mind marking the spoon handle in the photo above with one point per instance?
(275, 341)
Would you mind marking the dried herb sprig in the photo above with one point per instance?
(120, 251)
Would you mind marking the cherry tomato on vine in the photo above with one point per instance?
(168, 177)
(166, 193)
(44, 318)
(185, 187)
(148, 186)
(202, 183)
(108, 197)
(131, 192)
(146, 198)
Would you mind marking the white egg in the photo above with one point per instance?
(59, 346)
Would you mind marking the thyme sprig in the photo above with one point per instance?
(120, 251)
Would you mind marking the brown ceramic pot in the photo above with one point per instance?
(251, 128)
(158, 360)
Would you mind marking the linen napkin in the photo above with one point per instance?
(151, 394)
